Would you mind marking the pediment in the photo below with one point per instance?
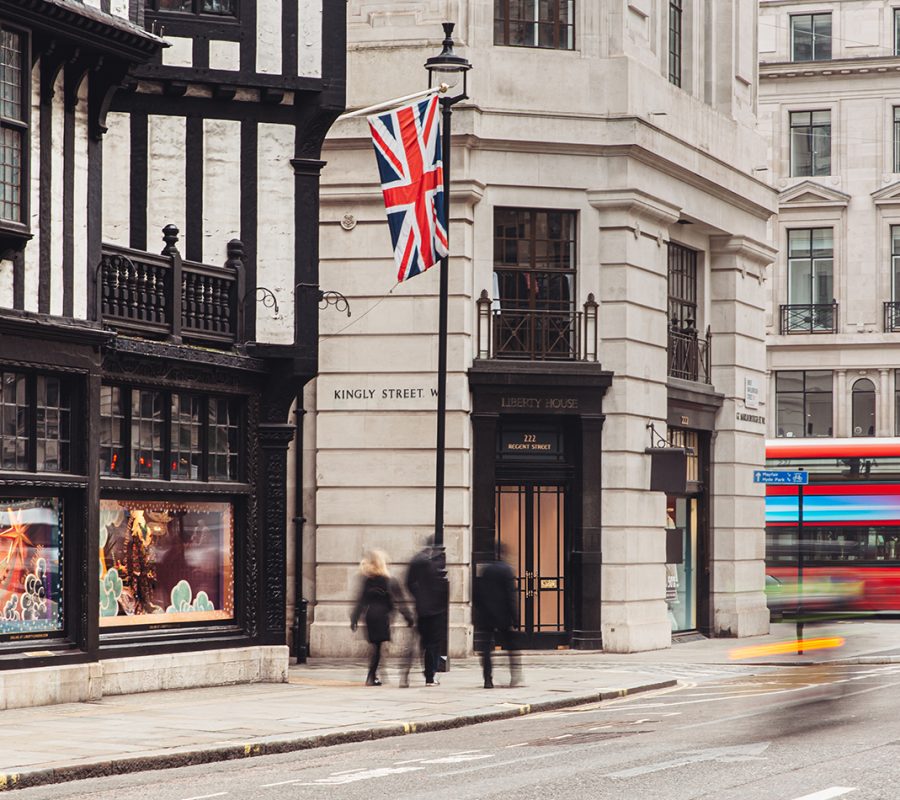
(809, 194)
(887, 195)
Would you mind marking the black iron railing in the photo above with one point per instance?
(689, 355)
(809, 318)
(892, 317)
(536, 334)
(165, 297)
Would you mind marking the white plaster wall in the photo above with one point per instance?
(116, 190)
(221, 187)
(31, 251)
(224, 55)
(309, 38)
(268, 36)
(166, 176)
(179, 53)
(275, 235)
(56, 190)
(6, 283)
(81, 267)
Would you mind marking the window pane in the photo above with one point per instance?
(186, 443)
(789, 415)
(788, 381)
(535, 23)
(112, 432)
(801, 36)
(799, 243)
(217, 7)
(801, 151)
(176, 5)
(863, 395)
(819, 381)
(10, 174)
(14, 421)
(821, 36)
(165, 561)
(146, 434)
(800, 281)
(52, 416)
(818, 414)
(223, 439)
(822, 242)
(11, 75)
(31, 583)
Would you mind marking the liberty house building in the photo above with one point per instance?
(606, 395)
(830, 106)
(159, 192)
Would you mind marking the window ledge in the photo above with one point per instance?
(13, 239)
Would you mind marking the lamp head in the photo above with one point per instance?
(447, 67)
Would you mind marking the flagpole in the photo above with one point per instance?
(360, 112)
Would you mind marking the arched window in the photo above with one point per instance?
(864, 408)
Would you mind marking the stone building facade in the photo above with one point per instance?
(609, 240)
(830, 106)
(158, 208)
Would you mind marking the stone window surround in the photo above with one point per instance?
(561, 30)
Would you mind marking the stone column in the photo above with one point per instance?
(842, 423)
(737, 518)
(883, 410)
(633, 298)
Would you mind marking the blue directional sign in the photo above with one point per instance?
(791, 477)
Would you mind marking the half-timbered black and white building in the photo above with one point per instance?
(159, 190)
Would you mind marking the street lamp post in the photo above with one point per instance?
(445, 68)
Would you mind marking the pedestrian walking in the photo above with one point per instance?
(426, 585)
(495, 617)
(379, 597)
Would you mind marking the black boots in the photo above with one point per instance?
(372, 680)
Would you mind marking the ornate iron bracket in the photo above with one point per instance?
(656, 440)
(267, 297)
(327, 297)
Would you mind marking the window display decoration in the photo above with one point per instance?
(31, 582)
(165, 562)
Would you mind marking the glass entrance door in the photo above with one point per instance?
(531, 528)
(681, 562)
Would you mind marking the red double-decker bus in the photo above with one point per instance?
(851, 525)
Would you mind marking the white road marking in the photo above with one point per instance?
(827, 794)
(365, 775)
(561, 736)
(204, 796)
(456, 759)
(518, 744)
(743, 752)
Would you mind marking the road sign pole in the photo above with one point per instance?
(800, 570)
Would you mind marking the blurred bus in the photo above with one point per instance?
(851, 525)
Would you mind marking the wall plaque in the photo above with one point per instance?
(530, 442)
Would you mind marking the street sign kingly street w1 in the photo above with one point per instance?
(793, 477)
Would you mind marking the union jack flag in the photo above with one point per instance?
(408, 150)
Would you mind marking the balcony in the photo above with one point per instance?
(892, 317)
(689, 355)
(165, 297)
(526, 334)
(809, 318)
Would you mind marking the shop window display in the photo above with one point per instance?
(30, 566)
(165, 562)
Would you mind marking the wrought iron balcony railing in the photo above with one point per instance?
(165, 297)
(809, 318)
(689, 355)
(892, 317)
(537, 334)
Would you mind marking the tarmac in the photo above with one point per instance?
(325, 702)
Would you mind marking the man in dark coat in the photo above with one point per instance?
(426, 583)
(495, 617)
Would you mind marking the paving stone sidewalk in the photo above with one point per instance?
(326, 703)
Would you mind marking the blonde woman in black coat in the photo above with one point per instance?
(379, 597)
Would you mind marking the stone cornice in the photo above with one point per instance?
(809, 194)
(464, 190)
(636, 203)
(760, 253)
(838, 66)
